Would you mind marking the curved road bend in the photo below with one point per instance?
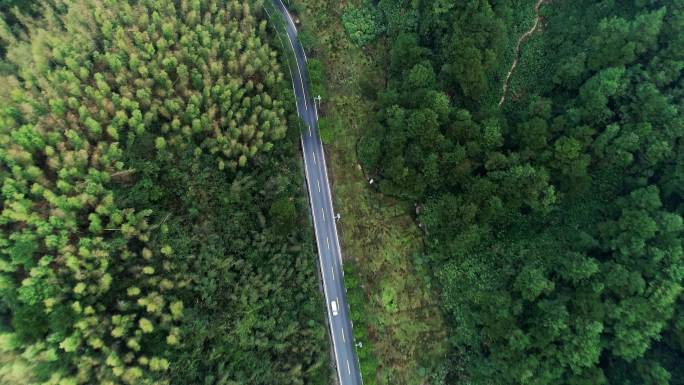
(328, 244)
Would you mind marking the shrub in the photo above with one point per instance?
(363, 24)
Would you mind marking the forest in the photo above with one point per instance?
(153, 223)
(525, 225)
(551, 208)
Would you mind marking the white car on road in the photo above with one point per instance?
(333, 306)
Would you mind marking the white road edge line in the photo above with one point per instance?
(301, 79)
(320, 256)
(288, 65)
(320, 259)
(327, 187)
(287, 13)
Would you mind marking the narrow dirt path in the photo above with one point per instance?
(521, 40)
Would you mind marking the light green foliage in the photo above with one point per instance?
(145, 325)
(160, 143)
(15, 369)
(113, 264)
(363, 23)
(177, 309)
(330, 129)
(317, 78)
(368, 363)
(10, 24)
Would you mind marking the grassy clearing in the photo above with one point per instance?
(396, 313)
(380, 240)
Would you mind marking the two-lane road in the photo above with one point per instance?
(329, 252)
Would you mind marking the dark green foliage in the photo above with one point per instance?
(283, 212)
(399, 15)
(309, 41)
(252, 314)
(554, 224)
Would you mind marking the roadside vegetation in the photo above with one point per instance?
(152, 200)
(553, 223)
(395, 309)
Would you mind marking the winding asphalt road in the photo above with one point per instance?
(328, 244)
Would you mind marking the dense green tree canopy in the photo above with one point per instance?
(363, 24)
(554, 224)
(149, 200)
